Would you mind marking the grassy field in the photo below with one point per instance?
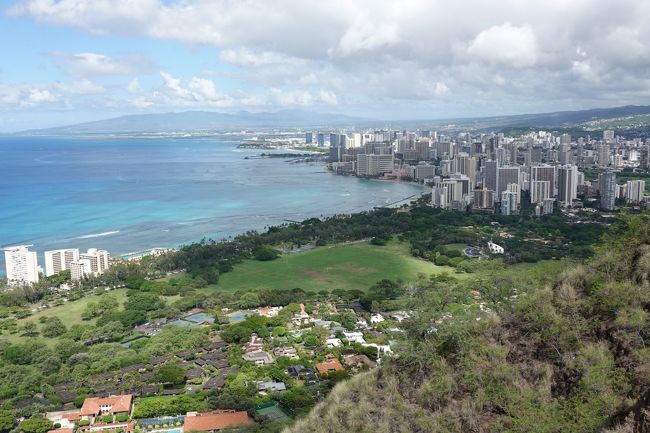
(344, 266)
(69, 313)
(457, 247)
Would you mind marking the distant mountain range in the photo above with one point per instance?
(196, 121)
(192, 121)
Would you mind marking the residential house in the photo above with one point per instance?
(354, 337)
(259, 358)
(270, 386)
(358, 361)
(329, 366)
(302, 317)
(217, 420)
(216, 382)
(113, 405)
(361, 323)
(255, 344)
(376, 318)
(269, 311)
(333, 342)
(289, 352)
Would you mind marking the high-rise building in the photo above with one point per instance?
(515, 189)
(452, 189)
(334, 140)
(320, 139)
(98, 260)
(608, 135)
(607, 189)
(508, 203)
(635, 191)
(59, 260)
(439, 196)
(484, 198)
(309, 137)
(490, 175)
(567, 182)
(540, 190)
(21, 264)
(543, 173)
(506, 175)
(466, 165)
(565, 138)
(547, 206)
(80, 269)
(644, 156)
(373, 165)
(603, 155)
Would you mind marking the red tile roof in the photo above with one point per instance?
(72, 416)
(119, 403)
(330, 365)
(61, 430)
(216, 420)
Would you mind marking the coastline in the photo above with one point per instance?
(225, 204)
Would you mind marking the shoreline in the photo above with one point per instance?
(82, 240)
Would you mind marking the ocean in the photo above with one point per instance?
(132, 194)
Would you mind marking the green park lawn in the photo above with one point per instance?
(68, 312)
(342, 266)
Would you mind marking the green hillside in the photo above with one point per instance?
(568, 354)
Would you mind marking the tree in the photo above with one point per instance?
(28, 328)
(53, 327)
(249, 300)
(170, 373)
(266, 253)
(7, 420)
(298, 400)
(35, 425)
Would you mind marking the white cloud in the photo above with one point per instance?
(506, 44)
(247, 57)
(584, 70)
(81, 87)
(95, 64)
(38, 96)
(134, 86)
(369, 54)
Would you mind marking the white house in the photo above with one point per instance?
(354, 337)
(495, 249)
(376, 318)
(333, 342)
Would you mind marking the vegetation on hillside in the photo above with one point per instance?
(568, 353)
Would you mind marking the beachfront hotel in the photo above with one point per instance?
(59, 260)
(22, 265)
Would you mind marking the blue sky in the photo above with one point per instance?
(68, 61)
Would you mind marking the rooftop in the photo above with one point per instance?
(216, 420)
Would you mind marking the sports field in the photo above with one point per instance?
(344, 266)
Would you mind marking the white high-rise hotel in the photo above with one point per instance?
(59, 260)
(22, 265)
(93, 262)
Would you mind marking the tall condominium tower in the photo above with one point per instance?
(22, 265)
(59, 260)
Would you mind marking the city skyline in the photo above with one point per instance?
(86, 60)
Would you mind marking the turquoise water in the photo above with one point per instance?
(127, 195)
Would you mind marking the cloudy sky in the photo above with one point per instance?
(66, 61)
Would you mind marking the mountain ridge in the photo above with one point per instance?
(211, 121)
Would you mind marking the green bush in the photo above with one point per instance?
(266, 252)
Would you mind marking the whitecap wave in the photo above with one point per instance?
(98, 235)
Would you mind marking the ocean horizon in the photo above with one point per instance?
(132, 194)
